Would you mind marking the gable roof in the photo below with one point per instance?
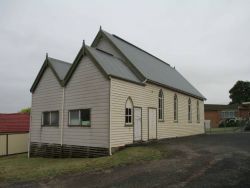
(58, 67)
(61, 67)
(113, 66)
(18, 122)
(151, 67)
(219, 107)
(137, 66)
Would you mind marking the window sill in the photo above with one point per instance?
(161, 120)
(50, 126)
(198, 122)
(79, 126)
(175, 121)
(189, 121)
(129, 125)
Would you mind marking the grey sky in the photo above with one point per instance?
(207, 41)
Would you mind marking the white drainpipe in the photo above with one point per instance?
(110, 115)
(62, 119)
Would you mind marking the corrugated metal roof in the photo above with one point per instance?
(61, 67)
(152, 67)
(18, 122)
(112, 65)
(219, 107)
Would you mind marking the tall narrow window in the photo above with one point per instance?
(189, 111)
(129, 112)
(198, 111)
(175, 108)
(161, 105)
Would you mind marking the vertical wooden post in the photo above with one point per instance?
(7, 144)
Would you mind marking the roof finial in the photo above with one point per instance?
(100, 27)
(47, 55)
(83, 43)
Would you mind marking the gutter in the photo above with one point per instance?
(62, 119)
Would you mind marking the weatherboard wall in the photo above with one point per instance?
(88, 88)
(47, 97)
(145, 97)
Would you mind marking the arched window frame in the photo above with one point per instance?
(175, 108)
(198, 111)
(161, 106)
(189, 111)
(129, 114)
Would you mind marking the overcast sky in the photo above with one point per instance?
(207, 41)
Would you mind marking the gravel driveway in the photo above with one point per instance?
(221, 160)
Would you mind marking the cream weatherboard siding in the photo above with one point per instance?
(47, 97)
(88, 88)
(147, 96)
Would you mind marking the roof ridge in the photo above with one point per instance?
(59, 61)
(141, 49)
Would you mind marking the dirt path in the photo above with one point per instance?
(199, 161)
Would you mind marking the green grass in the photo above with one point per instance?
(19, 168)
(222, 130)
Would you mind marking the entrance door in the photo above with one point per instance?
(137, 124)
(152, 123)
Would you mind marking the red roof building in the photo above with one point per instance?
(14, 123)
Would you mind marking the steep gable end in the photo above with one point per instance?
(58, 67)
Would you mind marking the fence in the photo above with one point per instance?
(13, 143)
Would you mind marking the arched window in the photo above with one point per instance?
(198, 111)
(175, 108)
(129, 112)
(189, 110)
(160, 105)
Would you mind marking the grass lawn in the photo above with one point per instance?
(19, 168)
(222, 130)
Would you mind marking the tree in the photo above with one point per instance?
(240, 92)
(25, 110)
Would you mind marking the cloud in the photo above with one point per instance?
(207, 41)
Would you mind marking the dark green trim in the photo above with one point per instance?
(91, 56)
(130, 65)
(45, 65)
(127, 80)
(73, 67)
(174, 89)
(132, 120)
(87, 126)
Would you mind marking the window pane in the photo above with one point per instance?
(55, 118)
(74, 117)
(126, 113)
(85, 117)
(129, 119)
(46, 118)
(129, 111)
(126, 119)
